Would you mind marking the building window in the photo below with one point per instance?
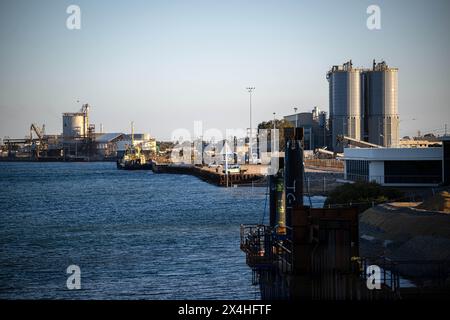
(413, 171)
(357, 170)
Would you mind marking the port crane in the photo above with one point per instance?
(39, 143)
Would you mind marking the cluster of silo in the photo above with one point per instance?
(364, 104)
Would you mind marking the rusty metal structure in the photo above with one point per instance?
(305, 252)
(310, 253)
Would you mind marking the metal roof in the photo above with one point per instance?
(138, 136)
(393, 154)
(108, 137)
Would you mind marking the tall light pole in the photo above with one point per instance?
(250, 156)
(296, 116)
(274, 120)
(273, 134)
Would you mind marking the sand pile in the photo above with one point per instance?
(405, 233)
(439, 202)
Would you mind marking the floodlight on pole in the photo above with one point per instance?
(250, 156)
(296, 116)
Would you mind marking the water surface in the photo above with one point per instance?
(135, 235)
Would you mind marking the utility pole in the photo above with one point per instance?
(201, 148)
(273, 133)
(310, 139)
(226, 162)
(274, 120)
(250, 148)
(132, 133)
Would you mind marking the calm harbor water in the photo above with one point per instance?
(135, 235)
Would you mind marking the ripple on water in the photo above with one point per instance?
(135, 235)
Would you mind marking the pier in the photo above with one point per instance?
(212, 175)
(318, 181)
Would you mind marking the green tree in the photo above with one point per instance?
(362, 193)
(280, 125)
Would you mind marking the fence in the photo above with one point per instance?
(410, 278)
(256, 241)
(320, 185)
(312, 185)
(325, 163)
(396, 179)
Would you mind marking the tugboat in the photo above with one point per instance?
(134, 159)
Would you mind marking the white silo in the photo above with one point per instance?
(380, 105)
(345, 102)
(74, 125)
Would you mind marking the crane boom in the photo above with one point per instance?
(39, 132)
(355, 142)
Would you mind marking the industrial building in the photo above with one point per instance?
(78, 135)
(80, 139)
(364, 104)
(418, 143)
(315, 127)
(113, 145)
(107, 144)
(446, 160)
(78, 142)
(413, 167)
(146, 142)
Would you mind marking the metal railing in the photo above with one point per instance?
(324, 163)
(266, 251)
(389, 277)
(395, 179)
(263, 248)
(312, 185)
(409, 274)
(256, 242)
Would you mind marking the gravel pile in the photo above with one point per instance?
(405, 233)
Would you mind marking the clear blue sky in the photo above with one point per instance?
(165, 64)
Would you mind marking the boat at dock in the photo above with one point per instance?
(134, 158)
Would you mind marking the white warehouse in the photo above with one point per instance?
(395, 166)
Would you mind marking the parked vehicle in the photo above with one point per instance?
(233, 169)
(213, 165)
